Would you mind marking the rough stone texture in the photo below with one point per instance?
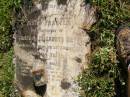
(123, 56)
(123, 45)
(53, 38)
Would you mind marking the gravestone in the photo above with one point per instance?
(123, 56)
(51, 38)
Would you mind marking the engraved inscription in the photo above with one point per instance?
(54, 36)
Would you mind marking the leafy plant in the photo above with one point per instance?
(6, 75)
(6, 53)
(6, 8)
(99, 79)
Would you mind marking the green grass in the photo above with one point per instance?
(98, 80)
(6, 11)
(6, 53)
(6, 74)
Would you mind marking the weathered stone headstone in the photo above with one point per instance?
(52, 40)
(123, 55)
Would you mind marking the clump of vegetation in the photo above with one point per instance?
(6, 53)
(98, 80)
(6, 74)
(6, 8)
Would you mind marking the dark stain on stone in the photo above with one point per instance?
(41, 90)
(87, 43)
(65, 85)
(61, 2)
(26, 25)
(88, 1)
(45, 4)
(78, 59)
(34, 15)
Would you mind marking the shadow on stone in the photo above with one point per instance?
(65, 84)
(41, 90)
(61, 2)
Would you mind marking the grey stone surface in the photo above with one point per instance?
(53, 39)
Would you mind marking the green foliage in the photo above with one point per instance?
(98, 80)
(103, 62)
(6, 8)
(96, 86)
(6, 66)
(6, 74)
